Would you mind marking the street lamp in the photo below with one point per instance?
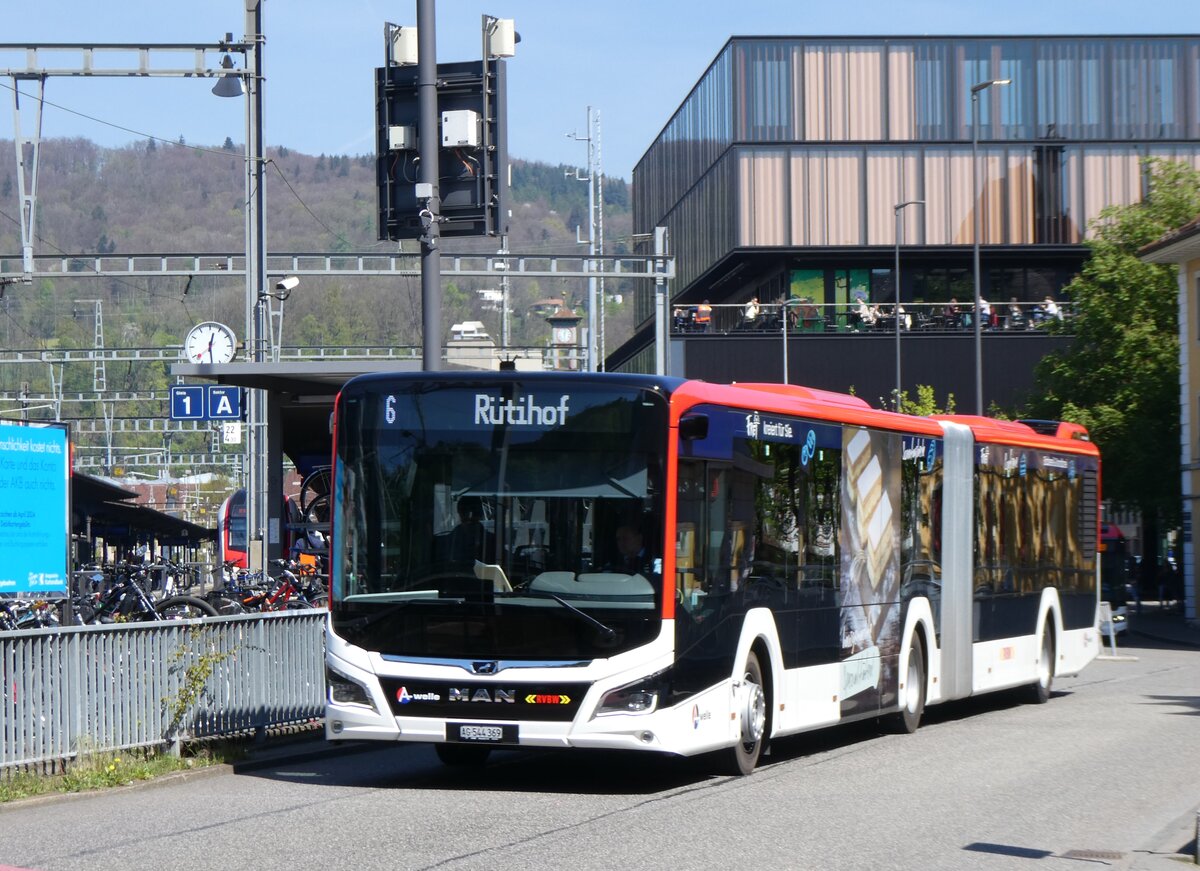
(975, 89)
(783, 310)
(899, 208)
(260, 517)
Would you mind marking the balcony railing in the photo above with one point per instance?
(856, 319)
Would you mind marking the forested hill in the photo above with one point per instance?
(155, 197)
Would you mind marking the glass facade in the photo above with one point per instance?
(803, 142)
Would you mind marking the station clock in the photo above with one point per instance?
(210, 342)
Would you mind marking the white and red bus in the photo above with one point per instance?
(612, 561)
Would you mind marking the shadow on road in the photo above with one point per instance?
(1192, 702)
(591, 772)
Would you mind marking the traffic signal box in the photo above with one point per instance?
(472, 153)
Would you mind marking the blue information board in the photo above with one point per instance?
(188, 402)
(206, 402)
(35, 510)
(224, 403)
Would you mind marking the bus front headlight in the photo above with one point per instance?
(639, 697)
(346, 691)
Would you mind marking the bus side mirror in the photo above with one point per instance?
(694, 427)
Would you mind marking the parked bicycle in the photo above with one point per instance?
(26, 614)
(258, 591)
(124, 599)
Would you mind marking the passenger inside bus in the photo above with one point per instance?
(468, 540)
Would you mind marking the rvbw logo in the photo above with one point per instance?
(753, 423)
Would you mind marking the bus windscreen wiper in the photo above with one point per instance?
(607, 631)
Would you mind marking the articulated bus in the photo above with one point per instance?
(654, 564)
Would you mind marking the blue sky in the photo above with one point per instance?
(632, 61)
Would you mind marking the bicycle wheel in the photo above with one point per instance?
(316, 484)
(225, 605)
(318, 510)
(184, 608)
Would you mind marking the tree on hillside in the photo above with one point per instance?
(1120, 377)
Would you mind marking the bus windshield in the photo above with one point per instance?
(498, 520)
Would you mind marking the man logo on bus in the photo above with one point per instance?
(752, 424)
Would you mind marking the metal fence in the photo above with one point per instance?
(101, 688)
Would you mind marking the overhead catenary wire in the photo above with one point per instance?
(197, 148)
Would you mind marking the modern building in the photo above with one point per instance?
(779, 177)
(1183, 248)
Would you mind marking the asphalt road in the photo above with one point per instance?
(992, 783)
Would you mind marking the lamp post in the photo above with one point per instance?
(899, 208)
(593, 361)
(262, 522)
(783, 317)
(975, 90)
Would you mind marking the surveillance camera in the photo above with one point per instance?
(288, 284)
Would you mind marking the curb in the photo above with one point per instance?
(1165, 639)
(1159, 851)
(154, 782)
(285, 752)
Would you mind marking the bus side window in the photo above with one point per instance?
(717, 576)
(822, 502)
(685, 558)
(690, 583)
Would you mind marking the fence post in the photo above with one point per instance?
(258, 683)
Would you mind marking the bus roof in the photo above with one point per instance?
(845, 408)
(779, 399)
(1051, 435)
(798, 400)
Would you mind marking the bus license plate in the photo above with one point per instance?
(474, 733)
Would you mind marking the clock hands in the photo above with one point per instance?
(210, 343)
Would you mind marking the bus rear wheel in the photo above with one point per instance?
(1039, 692)
(908, 718)
(742, 757)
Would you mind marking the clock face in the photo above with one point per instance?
(210, 342)
(563, 335)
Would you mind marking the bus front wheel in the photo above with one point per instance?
(751, 710)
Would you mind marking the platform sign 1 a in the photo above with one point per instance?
(188, 402)
(35, 508)
(224, 403)
(206, 402)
